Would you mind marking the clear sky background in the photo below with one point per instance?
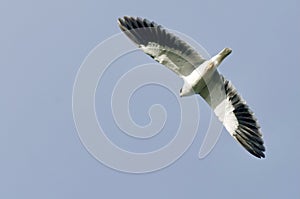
(42, 47)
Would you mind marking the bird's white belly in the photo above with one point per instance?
(200, 76)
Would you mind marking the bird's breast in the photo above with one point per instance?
(202, 74)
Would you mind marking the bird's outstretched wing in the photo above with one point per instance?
(234, 113)
(161, 45)
(218, 92)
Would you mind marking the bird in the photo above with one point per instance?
(200, 77)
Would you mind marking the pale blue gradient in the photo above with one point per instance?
(42, 47)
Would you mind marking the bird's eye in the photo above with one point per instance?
(180, 90)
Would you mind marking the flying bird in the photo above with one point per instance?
(200, 76)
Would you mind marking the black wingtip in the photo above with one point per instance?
(122, 24)
(248, 132)
(255, 149)
(140, 30)
(119, 20)
(136, 22)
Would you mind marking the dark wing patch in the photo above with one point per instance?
(181, 57)
(248, 131)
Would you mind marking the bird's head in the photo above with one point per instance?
(221, 55)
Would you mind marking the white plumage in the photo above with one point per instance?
(200, 77)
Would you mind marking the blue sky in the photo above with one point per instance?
(42, 47)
